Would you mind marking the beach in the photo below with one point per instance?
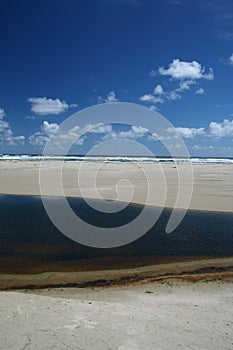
(175, 302)
(170, 315)
(212, 192)
(212, 186)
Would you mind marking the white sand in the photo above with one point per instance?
(181, 315)
(170, 316)
(213, 183)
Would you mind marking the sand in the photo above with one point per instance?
(155, 316)
(192, 270)
(175, 314)
(212, 187)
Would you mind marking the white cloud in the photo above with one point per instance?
(223, 129)
(185, 85)
(201, 147)
(15, 140)
(181, 70)
(158, 137)
(48, 128)
(38, 139)
(3, 125)
(230, 60)
(99, 128)
(44, 106)
(200, 91)
(166, 96)
(172, 96)
(7, 137)
(153, 108)
(2, 113)
(134, 132)
(189, 133)
(187, 73)
(75, 135)
(158, 90)
(111, 98)
(151, 98)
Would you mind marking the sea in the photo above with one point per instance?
(115, 159)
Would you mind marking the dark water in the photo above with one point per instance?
(31, 243)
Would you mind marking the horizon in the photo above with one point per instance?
(113, 156)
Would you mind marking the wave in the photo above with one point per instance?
(115, 159)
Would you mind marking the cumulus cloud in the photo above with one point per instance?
(153, 108)
(99, 128)
(7, 137)
(111, 98)
(161, 96)
(188, 133)
(49, 128)
(76, 135)
(173, 95)
(15, 140)
(135, 132)
(3, 125)
(186, 73)
(181, 70)
(185, 85)
(44, 106)
(158, 90)
(200, 91)
(216, 129)
(151, 98)
(38, 139)
(223, 129)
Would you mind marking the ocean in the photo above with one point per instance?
(115, 159)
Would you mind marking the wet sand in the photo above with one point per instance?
(191, 270)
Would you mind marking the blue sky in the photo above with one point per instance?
(174, 56)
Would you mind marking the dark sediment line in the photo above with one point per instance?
(206, 273)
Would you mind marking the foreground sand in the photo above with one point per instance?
(144, 317)
(213, 183)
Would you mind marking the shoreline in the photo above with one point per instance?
(186, 270)
(131, 203)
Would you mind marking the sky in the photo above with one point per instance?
(172, 56)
